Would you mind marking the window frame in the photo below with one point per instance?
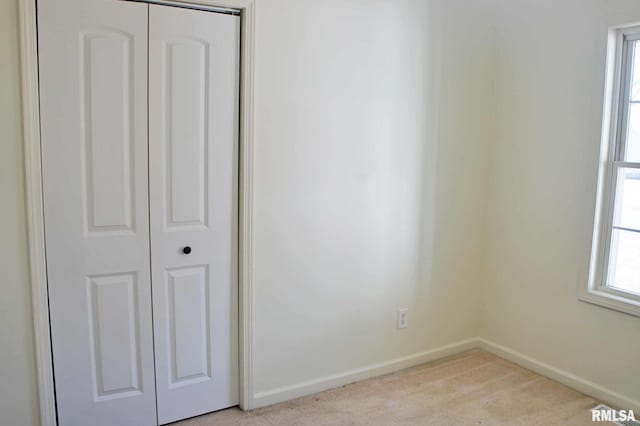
(613, 143)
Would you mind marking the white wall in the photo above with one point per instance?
(370, 171)
(18, 404)
(550, 78)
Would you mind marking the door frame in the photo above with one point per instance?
(35, 207)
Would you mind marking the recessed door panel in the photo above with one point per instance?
(193, 125)
(189, 317)
(106, 86)
(93, 99)
(185, 132)
(113, 315)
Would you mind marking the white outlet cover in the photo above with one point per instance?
(403, 318)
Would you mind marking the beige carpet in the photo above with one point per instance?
(472, 388)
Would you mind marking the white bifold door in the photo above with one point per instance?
(139, 116)
(193, 124)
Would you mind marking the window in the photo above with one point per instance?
(614, 279)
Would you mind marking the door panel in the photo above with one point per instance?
(93, 94)
(115, 344)
(188, 303)
(193, 122)
(186, 142)
(106, 103)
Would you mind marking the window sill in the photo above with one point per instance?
(611, 300)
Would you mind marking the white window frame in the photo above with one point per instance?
(615, 117)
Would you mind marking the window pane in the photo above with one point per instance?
(624, 262)
(635, 82)
(632, 151)
(627, 208)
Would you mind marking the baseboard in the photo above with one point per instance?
(286, 393)
(262, 399)
(585, 386)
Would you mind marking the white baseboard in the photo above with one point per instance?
(286, 393)
(585, 386)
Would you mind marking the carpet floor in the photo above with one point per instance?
(472, 388)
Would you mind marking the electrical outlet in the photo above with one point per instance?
(403, 318)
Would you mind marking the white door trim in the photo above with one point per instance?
(35, 208)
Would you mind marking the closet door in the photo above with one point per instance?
(193, 125)
(93, 88)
